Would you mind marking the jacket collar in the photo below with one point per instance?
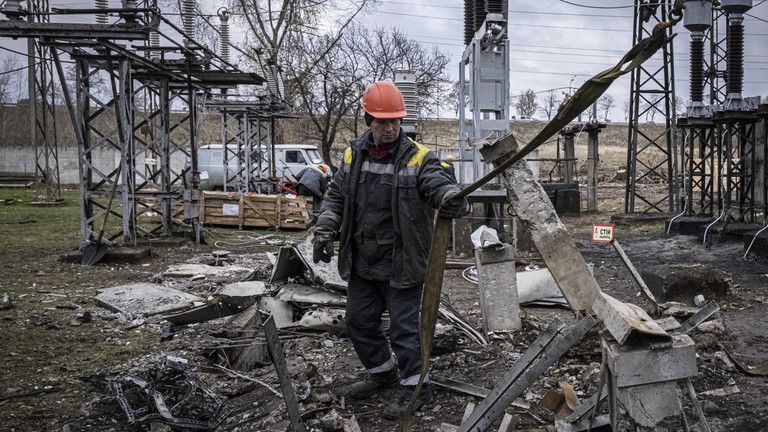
(405, 145)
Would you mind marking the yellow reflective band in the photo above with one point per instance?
(348, 156)
(418, 158)
(445, 164)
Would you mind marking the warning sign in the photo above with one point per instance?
(602, 233)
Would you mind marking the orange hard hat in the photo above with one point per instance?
(383, 100)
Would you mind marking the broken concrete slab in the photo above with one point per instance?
(186, 270)
(557, 248)
(145, 299)
(243, 293)
(203, 313)
(324, 319)
(292, 262)
(650, 363)
(114, 255)
(646, 406)
(280, 310)
(296, 293)
(627, 321)
(498, 300)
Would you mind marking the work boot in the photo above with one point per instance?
(369, 385)
(396, 409)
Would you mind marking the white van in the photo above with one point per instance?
(290, 158)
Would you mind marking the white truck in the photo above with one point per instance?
(290, 160)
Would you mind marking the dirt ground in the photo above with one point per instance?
(55, 368)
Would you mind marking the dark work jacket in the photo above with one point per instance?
(418, 189)
(314, 180)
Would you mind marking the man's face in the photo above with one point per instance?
(385, 131)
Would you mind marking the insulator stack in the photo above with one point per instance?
(479, 14)
(735, 58)
(697, 70)
(224, 34)
(497, 7)
(188, 19)
(101, 18)
(154, 41)
(469, 21)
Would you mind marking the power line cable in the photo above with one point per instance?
(596, 7)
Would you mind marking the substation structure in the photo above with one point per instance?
(247, 132)
(725, 182)
(137, 90)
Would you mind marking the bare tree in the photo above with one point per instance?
(606, 102)
(549, 104)
(327, 76)
(9, 73)
(626, 110)
(274, 25)
(526, 103)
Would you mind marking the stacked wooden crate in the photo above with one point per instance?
(255, 210)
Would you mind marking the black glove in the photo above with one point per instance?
(322, 246)
(454, 208)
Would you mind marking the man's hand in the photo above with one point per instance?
(454, 208)
(322, 245)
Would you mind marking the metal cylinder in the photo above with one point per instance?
(224, 34)
(101, 18)
(698, 15)
(469, 21)
(735, 6)
(188, 19)
(697, 68)
(735, 58)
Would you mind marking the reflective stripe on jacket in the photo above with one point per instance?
(419, 188)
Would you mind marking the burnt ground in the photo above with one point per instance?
(55, 370)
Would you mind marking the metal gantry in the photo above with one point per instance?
(135, 118)
(651, 157)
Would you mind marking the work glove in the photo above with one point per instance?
(322, 245)
(454, 208)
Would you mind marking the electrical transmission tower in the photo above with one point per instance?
(42, 109)
(651, 157)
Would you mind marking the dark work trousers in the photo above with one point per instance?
(366, 302)
(317, 201)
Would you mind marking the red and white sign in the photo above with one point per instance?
(602, 233)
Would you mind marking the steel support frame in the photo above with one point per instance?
(42, 109)
(738, 170)
(701, 170)
(247, 142)
(714, 78)
(157, 185)
(649, 156)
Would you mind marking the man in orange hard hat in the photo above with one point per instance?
(381, 203)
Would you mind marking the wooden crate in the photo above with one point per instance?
(254, 210)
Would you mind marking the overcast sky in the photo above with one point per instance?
(551, 42)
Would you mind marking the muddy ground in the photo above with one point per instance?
(55, 369)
